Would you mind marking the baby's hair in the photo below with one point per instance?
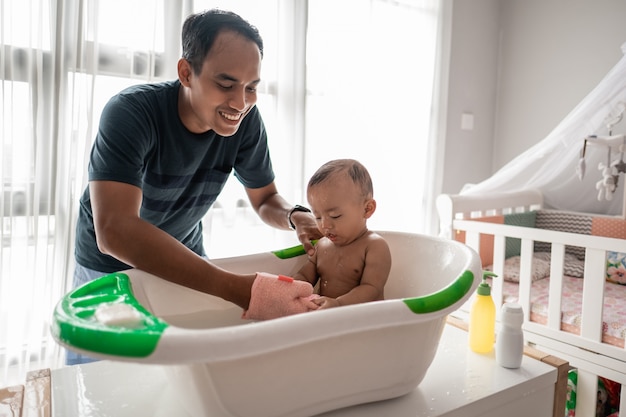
(353, 168)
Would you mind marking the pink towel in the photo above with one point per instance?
(276, 296)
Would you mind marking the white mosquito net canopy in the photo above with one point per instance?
(579, 165)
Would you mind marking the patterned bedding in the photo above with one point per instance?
(614, 313)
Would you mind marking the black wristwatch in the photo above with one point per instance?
(290, 212)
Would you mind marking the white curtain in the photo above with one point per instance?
(55, 75)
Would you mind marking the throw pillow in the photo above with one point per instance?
(540, 269)
(572, 266)
(563, 221)
(616, 267)
(527, 219)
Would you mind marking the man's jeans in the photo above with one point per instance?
(82, 276)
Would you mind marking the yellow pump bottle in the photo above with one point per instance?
(482, 325)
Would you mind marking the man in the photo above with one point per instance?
(162, 155)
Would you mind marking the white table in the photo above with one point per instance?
(459, 383)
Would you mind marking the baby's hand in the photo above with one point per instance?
(326, 302)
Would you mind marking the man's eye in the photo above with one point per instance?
(252, 89)
(225, 87)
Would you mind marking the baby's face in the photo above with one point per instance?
(339, 209)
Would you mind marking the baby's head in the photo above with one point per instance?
(328, 173)
(340, 194)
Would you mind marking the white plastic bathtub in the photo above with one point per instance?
(299, 365)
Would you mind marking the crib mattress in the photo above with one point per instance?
(614, 314)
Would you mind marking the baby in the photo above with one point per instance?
(350, 262)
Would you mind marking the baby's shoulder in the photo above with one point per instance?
(374, 241)
(375, 237)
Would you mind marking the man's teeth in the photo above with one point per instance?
(232, 117)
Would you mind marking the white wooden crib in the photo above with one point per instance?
(583, 346)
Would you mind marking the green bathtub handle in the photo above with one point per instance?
(75, 323)
(291, 252)
(443, 298)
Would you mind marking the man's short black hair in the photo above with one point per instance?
(201, 29)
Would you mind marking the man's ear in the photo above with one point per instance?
(370, 208)
(184, 71)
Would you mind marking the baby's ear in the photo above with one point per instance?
(369, 208)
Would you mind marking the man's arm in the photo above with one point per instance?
(272, 208)
(121, 233)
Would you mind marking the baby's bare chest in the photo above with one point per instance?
(341, 265)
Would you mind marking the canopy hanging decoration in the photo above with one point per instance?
(611, 170)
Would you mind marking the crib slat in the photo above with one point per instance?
(622, 409)
(593, 294)
(497, 285)
(525, 272)
(586, 393)
(472, 239)
(556, 285)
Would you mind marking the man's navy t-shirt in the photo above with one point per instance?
(142, 141)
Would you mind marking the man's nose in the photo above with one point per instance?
(238, 100)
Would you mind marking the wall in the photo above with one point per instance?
(520, 66)
(471, 89)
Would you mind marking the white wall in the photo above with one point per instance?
(520, 66)
(471, 89)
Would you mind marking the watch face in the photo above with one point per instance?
(297, 207)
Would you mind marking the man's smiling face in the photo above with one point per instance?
(225, 90)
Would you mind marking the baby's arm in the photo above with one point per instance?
(308, 271)
(373, 280)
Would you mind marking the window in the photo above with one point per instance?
(27, 226)
(364, 91)
(370, 74)
(58, 64)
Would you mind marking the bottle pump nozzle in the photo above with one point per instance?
(483, 287)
